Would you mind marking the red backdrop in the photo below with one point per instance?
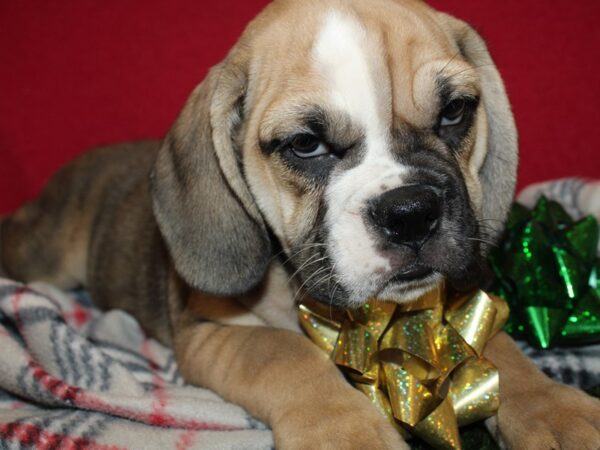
(78, 73)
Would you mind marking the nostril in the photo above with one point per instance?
(374, 216)
(431, 220)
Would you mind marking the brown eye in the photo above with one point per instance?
(307, 146)
(453, 113)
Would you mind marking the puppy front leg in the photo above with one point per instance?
(286, 381)
(536, 412)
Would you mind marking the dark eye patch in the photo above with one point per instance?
(453, 135)
(305, 143)
(315, 129)
(316, 168)
(453, 102)
(453, 112)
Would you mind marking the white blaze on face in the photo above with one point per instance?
(352, 65)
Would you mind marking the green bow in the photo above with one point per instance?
(547, 269)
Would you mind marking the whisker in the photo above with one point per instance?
(307, 263)
(315, 283)
(468, 69)
(319, 270)
(304, 248)
(483, 229)
(441, 71)
(337, 285)
(331, 276)
(485, 241)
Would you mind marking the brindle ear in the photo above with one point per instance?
(215, 234)
(498, 170)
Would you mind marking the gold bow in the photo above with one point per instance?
(421, 364)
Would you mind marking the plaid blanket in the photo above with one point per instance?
(74, 377)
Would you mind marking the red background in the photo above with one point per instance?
(78, 73)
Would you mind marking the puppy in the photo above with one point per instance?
(344, 150)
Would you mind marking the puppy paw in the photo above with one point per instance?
(349, 423)
(552, 416)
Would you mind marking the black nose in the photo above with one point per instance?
(407, 215)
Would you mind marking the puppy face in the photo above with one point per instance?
(364, 151)
(373, 139)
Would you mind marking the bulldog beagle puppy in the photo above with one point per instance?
(343, 150)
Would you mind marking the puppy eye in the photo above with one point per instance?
(307, 146)
(453, 113)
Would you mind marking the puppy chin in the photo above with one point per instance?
(406, 292)
(400, 292)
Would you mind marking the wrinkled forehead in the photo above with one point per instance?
(379, 69)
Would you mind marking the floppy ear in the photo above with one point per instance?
(498, 170)
(215, 233)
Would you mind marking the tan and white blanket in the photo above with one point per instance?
(72, 377)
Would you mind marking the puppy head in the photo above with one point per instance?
(373, 140)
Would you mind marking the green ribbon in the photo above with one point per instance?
(547, 269)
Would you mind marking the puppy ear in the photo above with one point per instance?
(498, 170)
(212, 227)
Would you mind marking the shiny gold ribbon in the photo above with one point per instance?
(422, 363)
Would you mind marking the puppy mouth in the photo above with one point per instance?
(411, 274)
(409, 281)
